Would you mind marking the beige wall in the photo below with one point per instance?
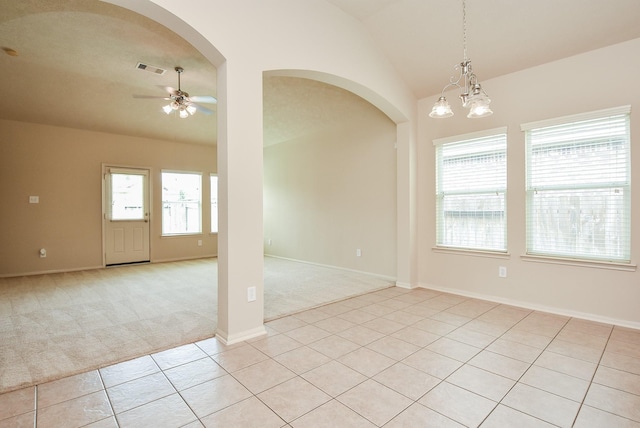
(292, 36)
(63, 167)
(596, 80)
(332, 192)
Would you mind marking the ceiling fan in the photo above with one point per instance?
(181, 102)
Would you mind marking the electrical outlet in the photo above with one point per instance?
(502, 271)
(199, 242)
(251, 294)
(269, 241)
(43, 253)
(358, 252)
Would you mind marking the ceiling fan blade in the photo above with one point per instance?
(151, 97)
(201, 108)
(169, 89)
(207, 99)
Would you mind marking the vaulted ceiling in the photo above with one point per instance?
(76, 59)
(424, 38)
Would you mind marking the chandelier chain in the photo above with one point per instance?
(473, 96)
(464, 29)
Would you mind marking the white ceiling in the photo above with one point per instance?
(76, 58)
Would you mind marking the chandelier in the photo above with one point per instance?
(473, 96)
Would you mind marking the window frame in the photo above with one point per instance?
(500, 135)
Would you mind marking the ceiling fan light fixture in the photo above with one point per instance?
(181, 102)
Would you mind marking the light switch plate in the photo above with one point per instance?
(502, 271)
(251, 294)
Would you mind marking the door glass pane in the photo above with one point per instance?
(127, 197)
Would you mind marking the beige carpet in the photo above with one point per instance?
(56, 325)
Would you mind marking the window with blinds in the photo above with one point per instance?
(471, 184)
(578, 186)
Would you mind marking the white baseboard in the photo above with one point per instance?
(46, 272)
(228, 339)
(535, 307)
(181, 259)
(406, 285)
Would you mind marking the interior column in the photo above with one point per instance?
(240, 237)
(406, 155)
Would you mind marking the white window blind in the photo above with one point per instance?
(578, 182)
(471, 182)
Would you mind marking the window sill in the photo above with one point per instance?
(182, 235)
(474, 253)
(627, 267)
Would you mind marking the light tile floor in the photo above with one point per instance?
(392, 358)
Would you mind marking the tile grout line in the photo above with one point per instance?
(466, 362)
(35, 406)
(175, 389)
(615, 388)
(332, 398)
(180, 392)
(530, 364)
(413, 401)
(593, 376)
(396, 362)
(463, 363)
(566, 324)
(590, 382)
(528, 368)
(104, 388)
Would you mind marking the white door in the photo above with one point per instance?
(126, 216)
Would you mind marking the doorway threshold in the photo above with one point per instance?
(128, 264)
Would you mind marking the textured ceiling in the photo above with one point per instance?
(326, 108)
(76, 59)
(76, 67)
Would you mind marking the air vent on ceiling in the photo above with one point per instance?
(150, 68)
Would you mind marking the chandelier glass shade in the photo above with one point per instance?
(473, 96)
